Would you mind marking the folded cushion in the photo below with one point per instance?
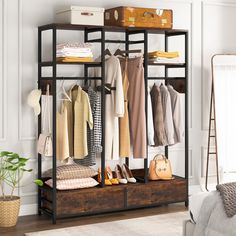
(73, 171)
(68, 184)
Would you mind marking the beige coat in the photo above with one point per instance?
(79, 115)
(62, 135)
(114, 106)
(124, 121)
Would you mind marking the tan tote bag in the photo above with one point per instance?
(45, 138)
(160, 168)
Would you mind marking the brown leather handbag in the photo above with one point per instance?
(160, 168)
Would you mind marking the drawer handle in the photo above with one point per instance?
(86, 14)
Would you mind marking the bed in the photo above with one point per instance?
(208, 217)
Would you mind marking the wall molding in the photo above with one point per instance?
(204, 126)
(20, 75)
(3, 137)
(28, 209)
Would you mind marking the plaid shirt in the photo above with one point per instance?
(94, 135)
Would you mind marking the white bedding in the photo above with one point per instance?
(212, 219)
(195, 203)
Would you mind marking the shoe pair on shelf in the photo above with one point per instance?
(120, 175)
(124, 174)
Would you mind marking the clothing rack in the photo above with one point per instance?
(102, 199)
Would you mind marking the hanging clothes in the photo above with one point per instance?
(176, 114)
(72, 93)
(94, 135)
(150, 120)
(114, 106)
(136, 98)
(167, 115)
(62, 134)
(124, 133)
(79, 115)
(158, 120)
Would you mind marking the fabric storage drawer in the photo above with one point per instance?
(88, 200)
(139, 17)
(81, 16)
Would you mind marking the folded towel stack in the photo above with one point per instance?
(163, 57)
(74, 52)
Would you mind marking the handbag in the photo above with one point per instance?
(160, 168)
(44, 146)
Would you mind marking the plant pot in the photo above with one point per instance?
(9, 211)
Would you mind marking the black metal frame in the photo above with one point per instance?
(87, 30)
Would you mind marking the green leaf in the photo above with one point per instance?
(15, 155)
(5, 153)
(23, 160)
(23, 169)
(10, 159)
(38, 182)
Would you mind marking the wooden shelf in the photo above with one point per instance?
(50, 63)
(169, 32)
(170, 65)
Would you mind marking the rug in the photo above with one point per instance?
(158, 225)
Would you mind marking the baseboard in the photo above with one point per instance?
(28, 209)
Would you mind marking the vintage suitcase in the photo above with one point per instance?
(139, 17)
(81, 16)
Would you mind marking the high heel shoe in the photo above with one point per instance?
(120, 175)
(112, 177)
(107, 181)
(128, 174)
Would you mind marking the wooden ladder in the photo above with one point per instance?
(212, 134)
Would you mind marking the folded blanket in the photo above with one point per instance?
(163, 54)
(75, 59)
(228, 194)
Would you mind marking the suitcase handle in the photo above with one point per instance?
(86, 14)
(146, 13)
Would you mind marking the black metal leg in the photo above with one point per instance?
(146, 103)
(39, 118)
(186, 203)
(54, 112)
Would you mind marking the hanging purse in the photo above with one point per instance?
(160, 168)
(44, 146)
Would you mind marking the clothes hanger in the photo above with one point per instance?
(125, 53)
(107, 52)
(119, 52)
(62, 93)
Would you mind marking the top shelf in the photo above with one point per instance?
(170, 32)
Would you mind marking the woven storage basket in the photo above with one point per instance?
(9, 211)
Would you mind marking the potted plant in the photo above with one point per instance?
(12, 168)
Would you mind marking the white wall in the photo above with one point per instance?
(210, 25)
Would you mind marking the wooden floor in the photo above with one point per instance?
(34, 223)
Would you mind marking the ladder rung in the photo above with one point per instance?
(212, 153)
(212, 119)
(212, 136)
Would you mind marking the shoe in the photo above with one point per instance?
(107, 181)
(120, 175)
(112, 177)
(128, 174)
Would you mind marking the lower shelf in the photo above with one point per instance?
(117, 198)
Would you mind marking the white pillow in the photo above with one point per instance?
(68, 184)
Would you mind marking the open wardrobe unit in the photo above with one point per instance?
(102, 198)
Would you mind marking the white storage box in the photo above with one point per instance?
(81, 16)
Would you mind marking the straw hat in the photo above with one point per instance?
(33, 100)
